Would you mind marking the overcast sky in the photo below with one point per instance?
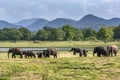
(15, 10)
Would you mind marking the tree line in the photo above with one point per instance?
(65, 33)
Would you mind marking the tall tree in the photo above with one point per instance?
(88, 33)
(26, 33)
(78, 35)
(14, 34)
(58, 34)
(70, 32)
(105, 34)
(116, 31)
(42, 35)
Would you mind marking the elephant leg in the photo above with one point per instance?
(85, 55)
(33, 56)
(25, 56)
(74, 53)
(48, 55)
(80, 54)
(55, 55)
(111, 54)
(21, 56)
(12, 55)
(115, 53)
(98, 55)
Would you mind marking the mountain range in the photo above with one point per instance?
(88, 21)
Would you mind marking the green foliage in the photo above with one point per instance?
(105, 34)
(88, 33)
(58, 34)
(41, 35)
(26, 34)
(70, 32)
(67, 32)
(78, 35)
(116, 31)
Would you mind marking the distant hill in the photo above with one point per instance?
(59, 22)
(89, 21)
(38, 24)
(26, 22)
(96, 23)
(5, 24)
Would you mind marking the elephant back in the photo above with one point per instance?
(114, 46)
(52, 51)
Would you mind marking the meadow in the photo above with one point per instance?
(65, 67)
(56, 43)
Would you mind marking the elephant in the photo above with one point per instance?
(15, 51)
(84, 52)
(39, 55)
(50, 51)
(113, 49)
(29, 53)
(101, 51)
(46, 53)
(76, 50)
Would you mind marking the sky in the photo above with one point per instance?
(16, 10)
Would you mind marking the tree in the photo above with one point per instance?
(116, 31)
(26, 33)
(78, 35)
(41, 35)
(2, 37)
(69, 31)
(58, 34)
(105, 34)
(88, 33)
(14, 35)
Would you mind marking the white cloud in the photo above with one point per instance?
(50, 9)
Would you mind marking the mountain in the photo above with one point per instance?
(38, 24)
(5, 24)
(88, 21)
(95, 22)
(59, 22)
(26, 22)
(114, 21)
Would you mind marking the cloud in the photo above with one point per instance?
(15, 10)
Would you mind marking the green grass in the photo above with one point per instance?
(56, 44)
(65, 67)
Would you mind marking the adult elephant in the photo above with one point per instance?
(113, 49)
(101, 51)
(15, 51)
(50, 51)
(29, 53)
(76, 50)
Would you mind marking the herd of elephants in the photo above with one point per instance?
(99, 51)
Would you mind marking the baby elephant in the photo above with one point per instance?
(39, 55)
(84, 52)
(29, 53)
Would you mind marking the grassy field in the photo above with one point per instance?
(65, 67)
(56, 44)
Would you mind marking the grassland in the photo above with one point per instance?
(65, 67)
(56, 44)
